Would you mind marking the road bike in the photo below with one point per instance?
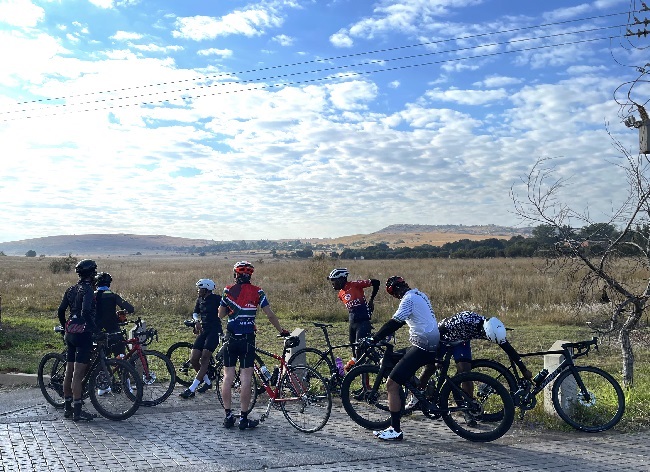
(324, 361)
(365, 398)
(113, 385)
(300, 392)
(585, 397)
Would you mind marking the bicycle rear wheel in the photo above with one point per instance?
(235, 400)
(473, 418)
(365, 398)
(501, 373)
(158, 376)
(597, 407)
(318, 361)
(305, 399)
(51, 372)
(179, 354)
(115, 392)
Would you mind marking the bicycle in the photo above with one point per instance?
(585, 397)
(300, 392)
(364, 397)
(324, 362)
(117, 381)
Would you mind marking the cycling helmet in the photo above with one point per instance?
(244, 267)
(395, 284)
(86, 267)
(338, 273)
(206, 284)
(292, 341)
(103, 279)
(494, 330)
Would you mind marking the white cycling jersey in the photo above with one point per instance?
(415, 309)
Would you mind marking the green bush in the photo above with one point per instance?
(64, 264)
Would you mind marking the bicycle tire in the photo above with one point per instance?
(123, 398)
(51, 372)
(235, 400)
(467, 416)
(158, 379)
(501, 373)
(366, 406)
(305, 399)
(179, 354)
(321, 363)
(600, 408)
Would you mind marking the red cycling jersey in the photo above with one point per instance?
(354, 300)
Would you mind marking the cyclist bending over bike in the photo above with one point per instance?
(239, 303)
(208, 329)
(414, 310)
(465, 326)
(79, 329)
(359, 310)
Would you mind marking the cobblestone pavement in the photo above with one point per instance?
(187, 435)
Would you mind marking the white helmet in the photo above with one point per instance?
(494, 330)
(338, 273)
(206, 284)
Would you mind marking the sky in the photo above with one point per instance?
(274, 119)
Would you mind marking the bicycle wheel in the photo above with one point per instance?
(596, 408)
(115, 392)
(51, 372)
(179, 354)
(318, 361)
(235, 399)
(467, 416)
(305, 399)
(365, 398)
(158, 378)
(501, 373)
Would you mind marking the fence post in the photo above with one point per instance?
(300, 333)
(569, 387)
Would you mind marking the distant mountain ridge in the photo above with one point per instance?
(460, 229)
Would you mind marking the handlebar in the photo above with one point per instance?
(582, 345)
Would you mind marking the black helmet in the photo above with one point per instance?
(86, 268)
(103, 279)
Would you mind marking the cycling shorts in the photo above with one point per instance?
(239, 347)
(461, 352)
(359, 330)
(207, 340)
(413, 359)
(79, 346)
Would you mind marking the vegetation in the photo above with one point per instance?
(541, 306)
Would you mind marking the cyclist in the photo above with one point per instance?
(79, 329)
(414, 310)
(107, 302)
(359, 310)
(239, 303)
(465, 326)
(208, 329)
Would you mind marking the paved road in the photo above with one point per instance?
(187, 435)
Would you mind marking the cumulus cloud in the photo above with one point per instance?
(21, 13)
(252, 22)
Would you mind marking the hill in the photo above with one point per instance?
(131, 244)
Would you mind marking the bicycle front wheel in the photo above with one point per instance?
(501, 373)
(51, 372)
(318, 361)
(305, 399)
(179, 354)
(235, 396)
(593, 402)
(115, 392)
(365, 398)
(158, 376)
(473, 418)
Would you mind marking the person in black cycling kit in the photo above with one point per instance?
(79, 329)
(359, 310)
(107, 302)
(208, 329)
(414, 310)
(465, 326)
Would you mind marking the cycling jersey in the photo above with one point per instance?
(463, 326)
(80, 299)
(107, 302)
(354, 300)
(415, 309)
(207, 308)
(242, 301)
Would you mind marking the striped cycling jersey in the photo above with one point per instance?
(463, 326)
(354, 300)
(242, 301)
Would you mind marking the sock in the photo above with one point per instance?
(194, 384)
(394, 421)
(206, 379)
(228, 413)
(244, 416)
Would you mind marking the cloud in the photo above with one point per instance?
(283, 40)
(253, 22)
(21, 13)
(126, 36)
(215, 52)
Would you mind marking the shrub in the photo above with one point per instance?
(64, 264)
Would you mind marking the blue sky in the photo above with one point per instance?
(275, 119)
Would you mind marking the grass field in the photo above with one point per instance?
(540, 307)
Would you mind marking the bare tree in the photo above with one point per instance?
(609, 258)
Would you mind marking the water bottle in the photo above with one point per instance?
(339, 366)
(266, 373)
(539, 378)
